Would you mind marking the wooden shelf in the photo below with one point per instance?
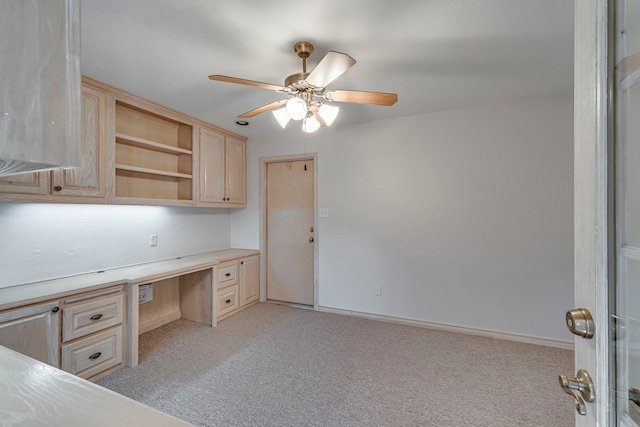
(153, 171)
(144, 143)
(153, 155)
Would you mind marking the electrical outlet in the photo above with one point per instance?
(145, 293)
(153, 240)
(324, 213)
(378, 291)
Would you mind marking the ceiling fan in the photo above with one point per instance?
(308, 90)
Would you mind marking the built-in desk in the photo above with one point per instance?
(195, 276)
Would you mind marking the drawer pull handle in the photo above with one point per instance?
(55, 309)
(96, 316)
(227, 301)
(95, 355)
(228, 274)
(57, 188)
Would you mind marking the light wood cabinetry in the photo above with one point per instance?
(153, 156)
(36, 183)
(222, 170)
(238, 284)
(93, 333)
(227, 286)
(33, 330)
(249, 280)
(90, 179)
(137, 152)
(87, 183)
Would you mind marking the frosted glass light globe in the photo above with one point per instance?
(328, 113)
(310, 124)
(282, 117)
(296, 108)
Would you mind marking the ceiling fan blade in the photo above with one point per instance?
(318, 117)
(229, 79)
(628, 64)
(332, 66)
(375, 98)
(263, 109)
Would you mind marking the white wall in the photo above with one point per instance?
(463, 217)
(42, 241)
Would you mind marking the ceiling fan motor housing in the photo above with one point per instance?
(296, 80)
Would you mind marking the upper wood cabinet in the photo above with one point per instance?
(137, 152)
(222, 170)
(88, 183)
(15, 187)
(90, 179)
(154, 155)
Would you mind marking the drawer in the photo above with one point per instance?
(227, 274)
(83, 318)
(91, 355)
(227, 301)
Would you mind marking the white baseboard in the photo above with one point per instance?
(547, 342)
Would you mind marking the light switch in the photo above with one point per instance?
(324, 212)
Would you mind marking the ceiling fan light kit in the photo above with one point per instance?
(309, 89)
(296, 108)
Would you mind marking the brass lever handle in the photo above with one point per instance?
(581, 388)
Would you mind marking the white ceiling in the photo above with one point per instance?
(435, 54)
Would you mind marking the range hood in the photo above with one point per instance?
(40, 85)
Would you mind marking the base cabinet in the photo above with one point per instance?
(249, 280)
(93, 333)
(33, 330)
(238, 284)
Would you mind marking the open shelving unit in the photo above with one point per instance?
(153, 157)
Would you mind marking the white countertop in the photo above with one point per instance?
(35, 394)
(19, 295)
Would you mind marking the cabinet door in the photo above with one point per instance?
(27, 183)
(33, 331)
(249, 279)
(236, 171)
(212, 167)
(89, 180)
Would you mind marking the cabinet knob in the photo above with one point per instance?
(95, 355)
(228, 274)
(57, 188)
(241, 262)
(55, 309)
(227, 301)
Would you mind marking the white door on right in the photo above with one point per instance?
(626, 310)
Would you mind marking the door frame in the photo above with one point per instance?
(592, 208)
(264, 161)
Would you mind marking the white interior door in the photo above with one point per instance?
(592, 219)
(607, 206)
(290, 231)
(626, 310)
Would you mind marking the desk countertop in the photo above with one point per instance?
(35, 394)
(19, 295)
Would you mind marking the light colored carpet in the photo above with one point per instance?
(273, 365)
